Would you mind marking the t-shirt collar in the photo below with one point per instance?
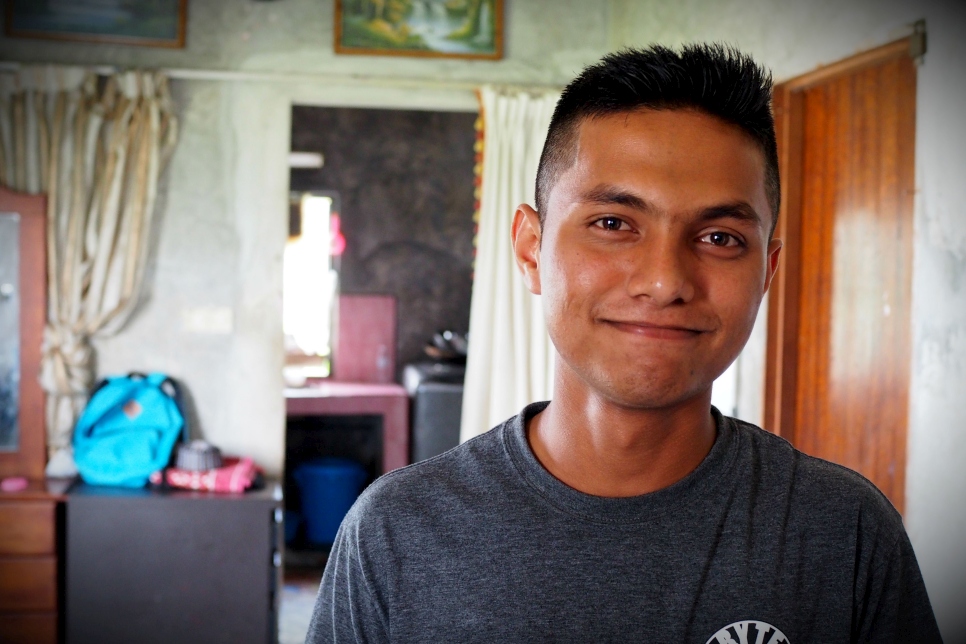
(631, 510)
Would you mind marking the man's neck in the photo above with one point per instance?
(602, 448)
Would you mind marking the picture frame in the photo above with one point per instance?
(146, 23)
(469, 29)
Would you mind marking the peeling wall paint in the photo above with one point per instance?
(936, 478)
(546, 42)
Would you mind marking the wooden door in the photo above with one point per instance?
(839, 337)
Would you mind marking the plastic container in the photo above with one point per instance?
(329, 487)
(198, 456)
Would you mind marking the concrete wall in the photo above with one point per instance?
(295, 36)
(936, 477)
(793, 37)
(409, 234)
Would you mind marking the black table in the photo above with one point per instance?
(176, 566)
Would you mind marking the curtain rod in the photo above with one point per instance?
(287, 77)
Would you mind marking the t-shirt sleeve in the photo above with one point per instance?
(347, 608)
(892, 605)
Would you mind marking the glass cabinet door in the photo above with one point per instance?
(9, 331)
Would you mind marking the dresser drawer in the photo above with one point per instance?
(28, 584)
(28, 628)
(27, 528)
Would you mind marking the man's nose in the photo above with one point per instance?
(661, 272)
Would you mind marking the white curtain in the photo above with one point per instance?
(510, 360)
(96, 147)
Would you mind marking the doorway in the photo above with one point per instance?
(839, 336)
(392, 196)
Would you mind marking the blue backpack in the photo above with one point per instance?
(129, 429)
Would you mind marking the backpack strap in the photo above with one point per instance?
(179, 401)
(173, 389)
(100, 384)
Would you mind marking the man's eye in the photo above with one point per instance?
(611, 223)
(721, 239)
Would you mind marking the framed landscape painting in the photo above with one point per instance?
(153, 23)
(436, 28)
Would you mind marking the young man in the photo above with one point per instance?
(628, 509)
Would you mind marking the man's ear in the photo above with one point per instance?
(525, 236)
(774, 252)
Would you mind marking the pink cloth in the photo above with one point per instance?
(235, 475)
(14, 484)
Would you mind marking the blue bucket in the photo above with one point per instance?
(292, 521)
(329, 487)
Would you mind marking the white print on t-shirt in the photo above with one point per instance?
(743, 632)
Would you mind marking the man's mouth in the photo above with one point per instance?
(653, 330)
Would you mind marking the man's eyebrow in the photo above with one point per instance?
(739, 210)
(605, 195)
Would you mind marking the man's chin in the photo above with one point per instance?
(653, 393)
(637, 401)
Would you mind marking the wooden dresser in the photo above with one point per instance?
(31, 563)
(31, 520)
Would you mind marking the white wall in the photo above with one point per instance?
(936, 471)
(547, 41)
(793, 37)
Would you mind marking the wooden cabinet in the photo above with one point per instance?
(29, 628)
(23, 313)
(30, 520)
(29, 584)
(31, 563)
(27, 527)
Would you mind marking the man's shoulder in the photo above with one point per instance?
(434, 484)
(814, 485)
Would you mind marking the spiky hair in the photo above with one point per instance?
(712, 78)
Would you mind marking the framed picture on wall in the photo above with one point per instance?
(151, 23)
(430, 28)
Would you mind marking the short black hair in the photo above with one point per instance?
(711, 78)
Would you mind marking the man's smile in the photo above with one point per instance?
(653, 330)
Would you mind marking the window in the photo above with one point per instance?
(309, 284)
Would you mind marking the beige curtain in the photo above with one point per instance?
(510, 361)
(96, 147)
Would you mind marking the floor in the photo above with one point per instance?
(298, 599)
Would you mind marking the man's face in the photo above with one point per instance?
(654, 254)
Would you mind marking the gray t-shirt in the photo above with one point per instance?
(760, 544)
